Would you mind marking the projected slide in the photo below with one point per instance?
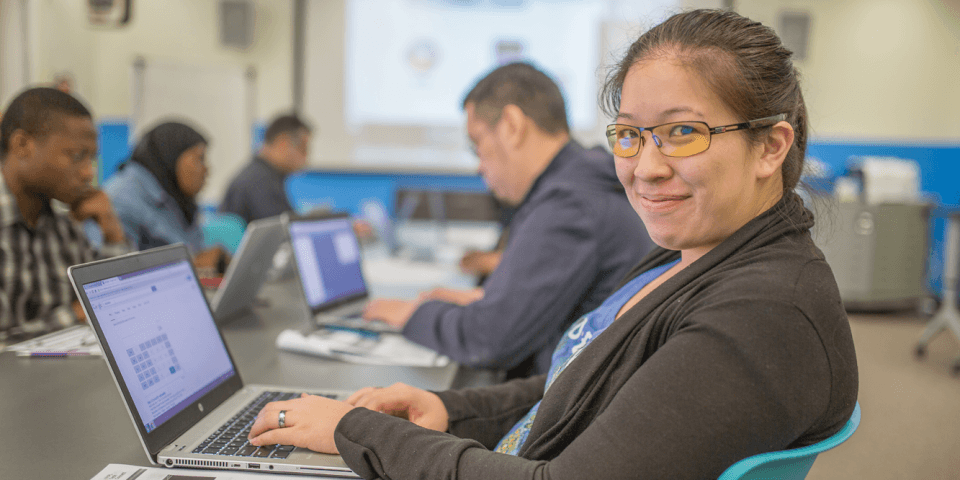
(412, 61)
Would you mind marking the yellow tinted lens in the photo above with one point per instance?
(624, 140)
(683, 139)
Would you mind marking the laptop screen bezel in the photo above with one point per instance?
(289, 220)
(169, 430)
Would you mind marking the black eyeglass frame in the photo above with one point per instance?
(748, 125)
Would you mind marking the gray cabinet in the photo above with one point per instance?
(877, 252)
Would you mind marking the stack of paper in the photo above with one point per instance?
(357, 346)
(75, 341)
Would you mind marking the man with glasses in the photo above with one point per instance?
(258, 190)
(572, 238)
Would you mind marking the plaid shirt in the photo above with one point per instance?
(35, 292)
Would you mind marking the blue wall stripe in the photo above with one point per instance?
(114, 144)
(340, 190)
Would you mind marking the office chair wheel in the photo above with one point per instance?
(920, 352)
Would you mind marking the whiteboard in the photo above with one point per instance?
(217, 100)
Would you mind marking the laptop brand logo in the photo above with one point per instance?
(200, 406)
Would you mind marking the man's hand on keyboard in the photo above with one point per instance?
(450, 295)
(393, 312)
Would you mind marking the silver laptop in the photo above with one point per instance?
(174, 371)
(249, 267)
(327, 256)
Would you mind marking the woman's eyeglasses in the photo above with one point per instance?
(677, 139)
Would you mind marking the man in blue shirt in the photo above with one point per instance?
(572, 239)
(258, 190)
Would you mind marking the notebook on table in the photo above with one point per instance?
(248, 270)
(177, 378)
(330, 271)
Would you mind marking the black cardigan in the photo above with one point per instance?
(747, 350)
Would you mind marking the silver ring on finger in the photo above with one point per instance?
(282, 417)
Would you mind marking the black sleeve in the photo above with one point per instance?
(487, 414)
(682, 415)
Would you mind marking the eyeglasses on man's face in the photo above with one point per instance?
(676, 139)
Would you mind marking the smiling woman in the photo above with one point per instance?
(693, 202)
(728, 341)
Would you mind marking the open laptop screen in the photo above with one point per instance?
(328, 260)
(166, 346)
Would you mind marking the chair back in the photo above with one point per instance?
(789, 464)
(223, 229)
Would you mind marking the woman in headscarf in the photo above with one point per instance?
(154, 192)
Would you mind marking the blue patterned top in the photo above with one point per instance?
(578, 336)
(150, 216)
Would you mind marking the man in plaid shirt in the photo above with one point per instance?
(47, 146)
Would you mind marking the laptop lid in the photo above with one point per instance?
(327, 256)
(164, 350)
(249, 267)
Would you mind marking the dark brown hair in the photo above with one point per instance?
(526, 87)
(742, 61)
(285, 124)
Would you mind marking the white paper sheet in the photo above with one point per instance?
(78, 340)
(116, 471)
(360, 347)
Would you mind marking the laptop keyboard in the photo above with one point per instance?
(231, 438)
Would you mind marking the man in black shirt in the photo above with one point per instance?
(258, 190)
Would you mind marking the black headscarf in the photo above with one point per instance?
(158, 152)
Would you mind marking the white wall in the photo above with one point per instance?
(331, 142)
(14, 64)
(183, 31)
(175, 32)
(878, 71)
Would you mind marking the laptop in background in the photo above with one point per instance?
(249, 267)
(177, 378)
(330, 271)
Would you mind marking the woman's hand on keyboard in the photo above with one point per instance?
(309, 423)
(419, 406)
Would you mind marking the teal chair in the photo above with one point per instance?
(789, 464)
(223, 229)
